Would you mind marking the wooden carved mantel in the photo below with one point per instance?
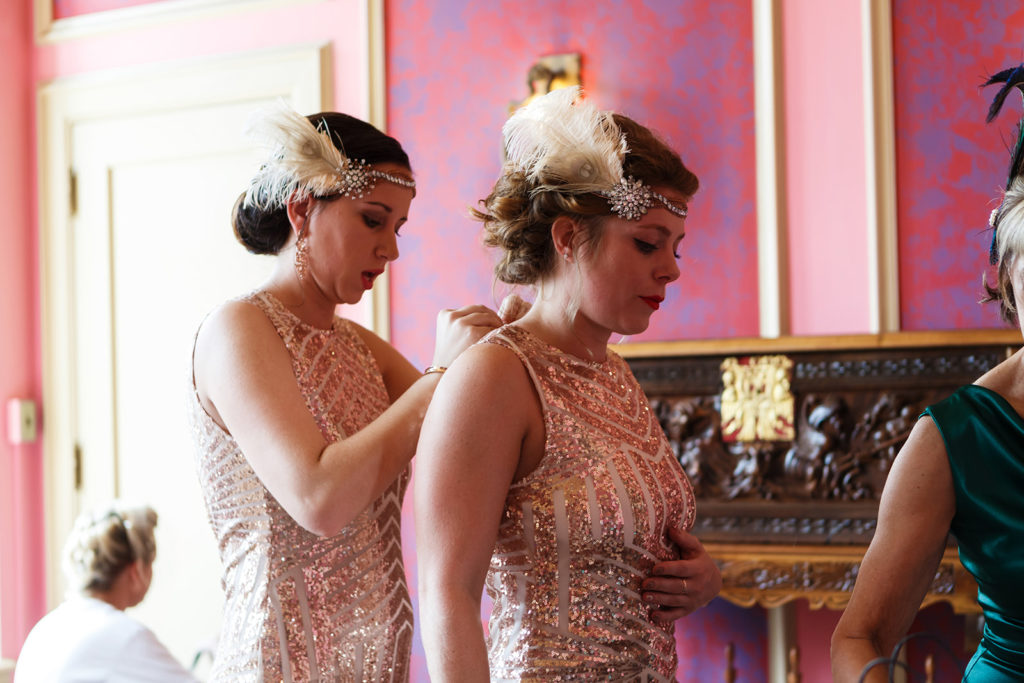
(791, 518)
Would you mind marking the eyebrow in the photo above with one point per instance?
(656, 226)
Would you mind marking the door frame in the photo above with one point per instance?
(300, 73)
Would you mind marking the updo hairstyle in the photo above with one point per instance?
(104, 542)
(1009, 245)
(519, 222)
(267, 232)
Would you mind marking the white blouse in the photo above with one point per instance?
(86, 640)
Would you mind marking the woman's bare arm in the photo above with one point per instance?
(469, 451)
(916, 510)
(245, 379)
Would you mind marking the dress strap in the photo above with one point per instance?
(505, 338)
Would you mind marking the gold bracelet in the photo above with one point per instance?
(439, 369)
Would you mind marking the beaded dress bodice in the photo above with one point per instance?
(580, 532)
(300, 607)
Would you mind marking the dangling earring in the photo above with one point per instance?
(302, 254)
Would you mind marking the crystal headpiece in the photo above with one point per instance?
(304, 162)
(564, 144)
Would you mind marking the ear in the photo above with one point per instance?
(563, 234)
(136, 571)
(299, 212)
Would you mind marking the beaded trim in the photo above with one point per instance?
(632, 198)
(356, 179)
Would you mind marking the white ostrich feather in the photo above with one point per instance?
(559, 142)
(302, 160)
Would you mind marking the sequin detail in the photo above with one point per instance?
(581, 532)
(300, 607)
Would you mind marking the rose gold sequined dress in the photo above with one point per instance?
(580, 533)
(300, 607)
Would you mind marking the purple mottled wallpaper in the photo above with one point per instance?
(682, 68)
(950, 164)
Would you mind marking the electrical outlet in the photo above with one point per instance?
(21, 420)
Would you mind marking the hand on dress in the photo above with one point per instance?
(460, 328)
(676, 588)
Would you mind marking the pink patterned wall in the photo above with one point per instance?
(683, 68)
(950, 164)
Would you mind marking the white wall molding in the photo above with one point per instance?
(880, 165)
(772, 268)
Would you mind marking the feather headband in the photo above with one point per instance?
(564, 144)
(1010, 78)
(305, 162)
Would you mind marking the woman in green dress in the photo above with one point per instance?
(961, 471)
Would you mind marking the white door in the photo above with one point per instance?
(149, 251)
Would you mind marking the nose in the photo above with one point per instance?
(387, 249)
(668, 269)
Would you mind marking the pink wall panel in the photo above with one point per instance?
(950, 164)
(825, 169)
(21, 481)
(684, 68)
(814, 629)
(190, 37)
(63, 9)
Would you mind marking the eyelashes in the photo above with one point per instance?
(373, 224)
(644, 247)
(648, 248)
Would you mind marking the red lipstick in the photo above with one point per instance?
(653, 301)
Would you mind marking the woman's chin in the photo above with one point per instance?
(635, 327)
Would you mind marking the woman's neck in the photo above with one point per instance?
(549, 321)
(303, 299)
(115, 597)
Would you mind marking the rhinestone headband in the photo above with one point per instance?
(356, 179)
(632, 198)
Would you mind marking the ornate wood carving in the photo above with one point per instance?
(791, 519)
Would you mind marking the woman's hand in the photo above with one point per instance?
(512, 308)
(676, 588)
(460, 328)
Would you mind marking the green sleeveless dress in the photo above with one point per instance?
(984, 439)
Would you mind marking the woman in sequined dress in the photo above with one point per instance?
(305, 423)
(543, 474)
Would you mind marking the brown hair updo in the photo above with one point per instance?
(518, 220)
(266, 232)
